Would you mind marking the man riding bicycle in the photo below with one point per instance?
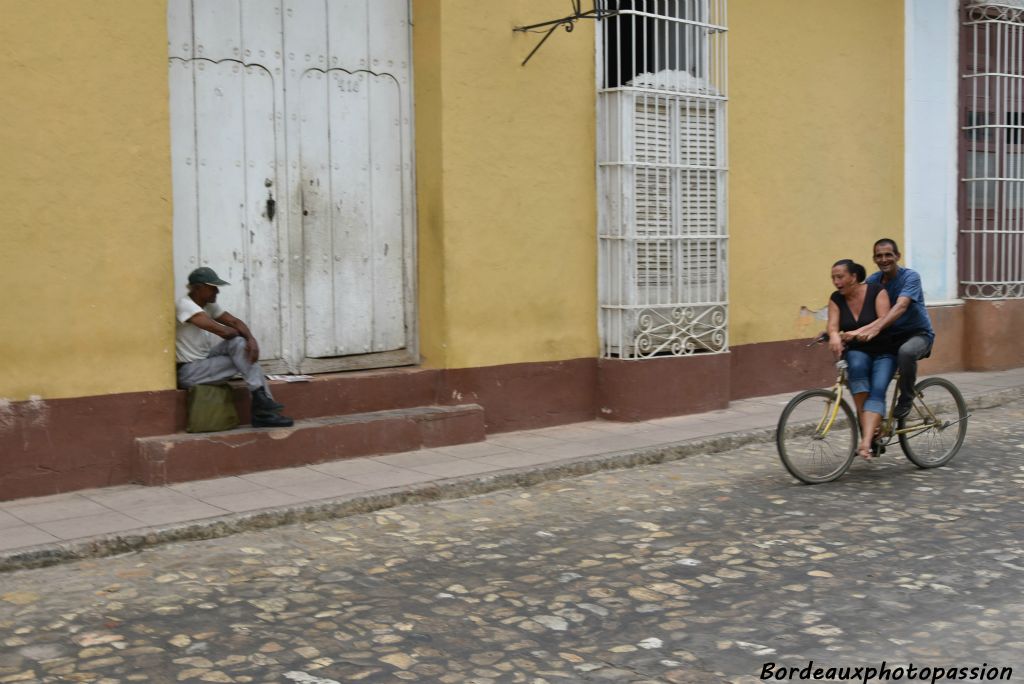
(907, 320)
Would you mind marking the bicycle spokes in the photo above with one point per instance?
(816, 436)
(933, 431)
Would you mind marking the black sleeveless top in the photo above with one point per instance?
(883, 343)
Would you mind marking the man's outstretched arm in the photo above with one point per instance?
(871, 330)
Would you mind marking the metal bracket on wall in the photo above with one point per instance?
(600, 11)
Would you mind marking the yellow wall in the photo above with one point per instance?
(505, 181)
(506, 197)
(85, 263)
(816, 153)
(506, 185)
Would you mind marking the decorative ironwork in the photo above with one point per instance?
(600, 11)
(993, 290)
(1001, 10)
(991, 247)
(681, 331)
(662, 169)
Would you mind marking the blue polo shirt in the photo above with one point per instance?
(915, 320)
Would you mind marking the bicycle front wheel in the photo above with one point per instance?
(934, 430)
(817, 441)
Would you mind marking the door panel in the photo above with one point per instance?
(315, 191)
(260, 237)
(347, 28)
(183, 176)
(352, 213)
(217, 29)
(386, 212)
(220, 216)
(292, 171)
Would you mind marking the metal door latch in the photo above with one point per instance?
(271, 204)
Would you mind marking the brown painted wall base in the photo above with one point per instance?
(61, 445)
(67, 444)
(791, 366)
(994, 334)
(642, 389)
(53, 446)
(948, 350)
(522, 396)
(775, 367)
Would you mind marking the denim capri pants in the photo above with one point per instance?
(870, 373)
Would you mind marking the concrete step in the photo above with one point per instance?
(182, 457)
(335, 394)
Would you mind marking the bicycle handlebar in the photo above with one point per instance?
(822, 338)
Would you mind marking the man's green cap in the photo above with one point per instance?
(204, 275)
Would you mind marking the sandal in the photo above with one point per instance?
(866, 453)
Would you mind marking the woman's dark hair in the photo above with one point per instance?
(854, 268)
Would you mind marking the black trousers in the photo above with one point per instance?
(915, 348)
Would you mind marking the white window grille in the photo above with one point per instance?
(991, 249)
(662, 178)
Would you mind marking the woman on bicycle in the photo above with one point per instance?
(871, 364)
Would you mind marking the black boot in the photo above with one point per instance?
(262, 403)
(271, 420)
(903, 406)
(266, 411)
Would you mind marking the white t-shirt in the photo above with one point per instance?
(192, 343)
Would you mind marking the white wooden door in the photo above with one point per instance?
(292, 153)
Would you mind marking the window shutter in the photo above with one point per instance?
(678, 260)
(662, 181)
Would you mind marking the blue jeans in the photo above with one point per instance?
(870, 373)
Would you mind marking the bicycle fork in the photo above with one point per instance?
(832, 410)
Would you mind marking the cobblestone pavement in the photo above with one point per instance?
(698, 570)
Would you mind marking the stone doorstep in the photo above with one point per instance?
(335, 394)
(182, 457)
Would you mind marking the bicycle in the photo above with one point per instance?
(812, 433)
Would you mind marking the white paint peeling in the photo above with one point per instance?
(38, 413)
(6, 415)
(33, 413)
(819, 314)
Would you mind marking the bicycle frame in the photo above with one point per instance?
(887, 430)
(812, 454)
(832, 411)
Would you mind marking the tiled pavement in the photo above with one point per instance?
(64, 520)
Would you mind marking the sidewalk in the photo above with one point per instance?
(99, 522)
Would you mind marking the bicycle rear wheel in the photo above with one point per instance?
(813, 447)
(936, 425)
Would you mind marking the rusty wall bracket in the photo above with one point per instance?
(600, 11)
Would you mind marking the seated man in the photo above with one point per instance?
(203, 359)
(907, 320)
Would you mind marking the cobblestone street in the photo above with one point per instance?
(699, 570)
